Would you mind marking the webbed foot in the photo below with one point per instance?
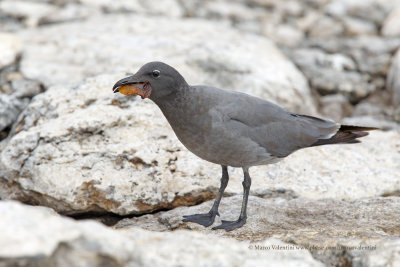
(205, 219)
(230, 225)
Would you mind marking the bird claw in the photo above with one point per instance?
(205, 219)
(230, 225)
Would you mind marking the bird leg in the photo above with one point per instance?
(206, 219)
(231, 225)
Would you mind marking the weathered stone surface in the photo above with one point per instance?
(23, 88)
(393, 79)
(309, 222)
(10, 107)
(370, 10)
(332, 229)
(326, 27)
(372, 54)
(69, 52)
(333, 73)
(37, 236)
(284, 35)
(376, 121)
(387, 254)
(391, 26)
(169, 8)
(10, 48)
(335, 107)
(355, 26)
(69, 12)
(30, 11)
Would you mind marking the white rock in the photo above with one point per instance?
(391, 25)
(203, 52)
(386, 254)
(39, 236)
(10, 48)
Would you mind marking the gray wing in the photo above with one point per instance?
(270, 126)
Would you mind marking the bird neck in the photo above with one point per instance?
(176, 98)
(176, 103)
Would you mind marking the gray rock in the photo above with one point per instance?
(306, 22)
(369, 44)
(25, 88)
(10, 107)
(393, 79)
(355, 26)
(370, 54)
(52, 240)
(370, 10)
(373, 64)
(334, 230)
(335, 107)
(333, 74)
(326, 27)
(284, 35)
(366, 108)
(374, 121)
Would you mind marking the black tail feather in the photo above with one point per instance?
(347, 134)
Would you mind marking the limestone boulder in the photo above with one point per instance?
(37, 236)
(336, 232)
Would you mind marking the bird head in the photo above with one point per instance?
(154, 80)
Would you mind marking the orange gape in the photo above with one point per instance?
(142, 89)
(130, 89)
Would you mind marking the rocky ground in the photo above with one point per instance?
(113, 165)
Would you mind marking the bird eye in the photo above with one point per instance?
(156, 73)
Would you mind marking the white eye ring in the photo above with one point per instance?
(156, 73)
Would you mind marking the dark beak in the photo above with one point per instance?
(131, 86)
(124, 81)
